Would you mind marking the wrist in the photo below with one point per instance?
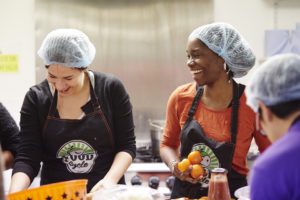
(172, 165)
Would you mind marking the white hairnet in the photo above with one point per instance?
(276, 81)
(226, 41)
(68, 47)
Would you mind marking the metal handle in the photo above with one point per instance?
(155, 125)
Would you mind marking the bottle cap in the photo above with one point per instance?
(219, 170)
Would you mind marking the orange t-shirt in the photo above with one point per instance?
(216, 124)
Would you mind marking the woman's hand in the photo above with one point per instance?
(186, 175)
(102, 184)
(89, 196)
(120, 164)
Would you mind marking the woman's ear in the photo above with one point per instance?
(266, 113)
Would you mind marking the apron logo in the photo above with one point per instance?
(209, 161)
(78, 156)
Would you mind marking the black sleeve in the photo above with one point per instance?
(9, 131)
(30, 150)
(122, 119)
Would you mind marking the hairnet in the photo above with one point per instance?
(68, 47)
(276, 81)
(226, 41)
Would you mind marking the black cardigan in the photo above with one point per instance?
(114, 102)
(9, 131)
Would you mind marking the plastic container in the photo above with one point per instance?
(75, 189)
(126, 192)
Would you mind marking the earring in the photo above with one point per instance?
(225, 67)
(230, 75)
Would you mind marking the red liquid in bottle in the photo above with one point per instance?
(218, 185)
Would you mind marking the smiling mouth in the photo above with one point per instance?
(196, 71)
(64, 91)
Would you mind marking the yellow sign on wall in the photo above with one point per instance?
(9, 63)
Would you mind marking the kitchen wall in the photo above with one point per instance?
(253, 17)
(17, 37)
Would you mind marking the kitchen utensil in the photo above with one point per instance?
(156, 130)
(136, 180)
(170, 182)
(153, 182)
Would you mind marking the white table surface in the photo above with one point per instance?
(134, 167)
(148, 167)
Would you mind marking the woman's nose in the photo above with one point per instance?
(190, 62)
(59, 85)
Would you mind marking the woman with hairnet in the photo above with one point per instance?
(210, 114)
(77, 122)
(274, 94)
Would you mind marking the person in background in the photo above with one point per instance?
(274, 94)
(210, 114)
(77, 122)
(2, 193)
(9, 137)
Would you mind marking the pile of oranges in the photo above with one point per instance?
(194, 159)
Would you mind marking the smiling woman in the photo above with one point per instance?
(210, 114)
(63, 124)
(72, 87)
(63, 79)
(205, 65)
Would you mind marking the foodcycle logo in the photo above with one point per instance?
(78, 156)
(209, 161)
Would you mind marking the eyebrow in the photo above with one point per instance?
(63, 77)
(194, 50)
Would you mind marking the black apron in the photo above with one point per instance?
(214, 154)
(77, 148)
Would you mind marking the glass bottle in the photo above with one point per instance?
(218, 185)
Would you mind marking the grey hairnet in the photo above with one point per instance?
(276, 81)
(226, 41)
(68, 47)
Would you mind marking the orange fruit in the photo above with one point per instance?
(197, 170)
(195, 157)
(183, 165)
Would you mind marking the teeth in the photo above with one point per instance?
(196, 71)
